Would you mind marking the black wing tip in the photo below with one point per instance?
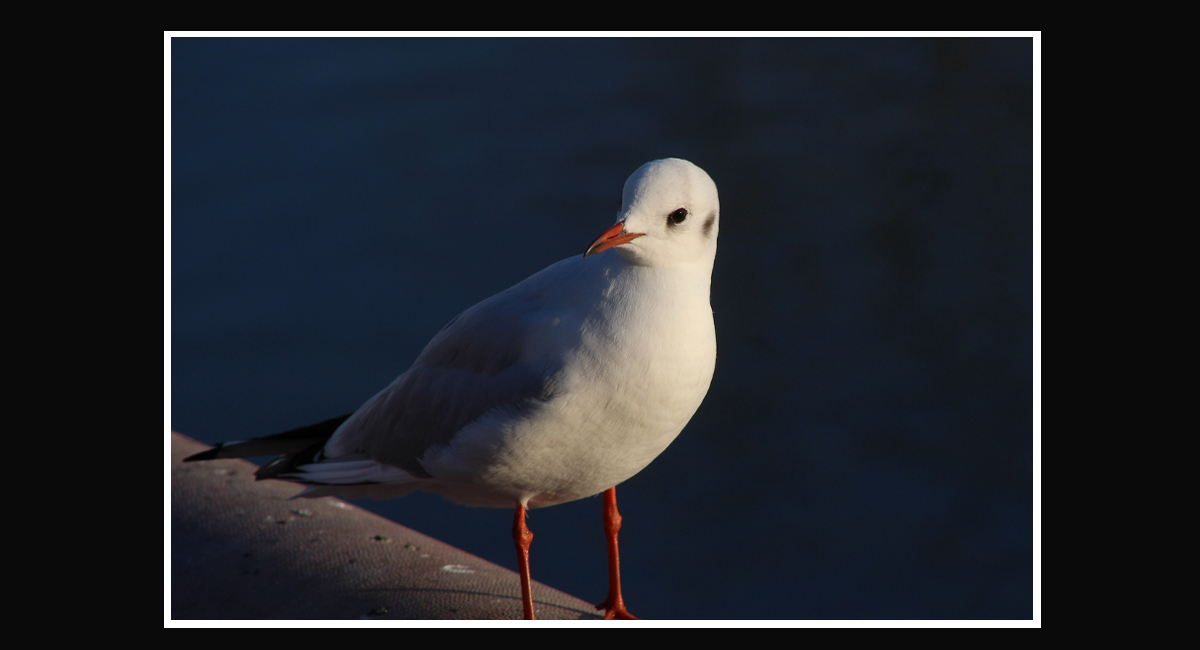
(270, 470)
(204, 455)
(289, 462)
(303, 437)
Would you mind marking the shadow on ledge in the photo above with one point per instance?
(241, 550)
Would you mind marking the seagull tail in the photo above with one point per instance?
(302, 460)
(288, 442)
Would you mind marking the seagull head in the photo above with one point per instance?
(669, 216)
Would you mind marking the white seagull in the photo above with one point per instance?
(556, 389)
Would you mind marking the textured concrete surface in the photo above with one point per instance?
(241, 550)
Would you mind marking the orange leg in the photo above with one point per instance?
(614, 605)
(522, 536)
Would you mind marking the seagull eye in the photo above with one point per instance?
(677, 216)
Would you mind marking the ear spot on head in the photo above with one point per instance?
(708, 224)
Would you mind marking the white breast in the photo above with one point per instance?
(642, 359)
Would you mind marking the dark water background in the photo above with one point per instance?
(866, 448)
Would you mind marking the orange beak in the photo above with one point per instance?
(614, 236)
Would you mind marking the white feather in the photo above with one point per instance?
(564, 385)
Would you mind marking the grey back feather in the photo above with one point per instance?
(480, 361)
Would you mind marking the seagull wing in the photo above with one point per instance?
(503, 353)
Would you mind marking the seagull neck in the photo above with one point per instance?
(688, 278)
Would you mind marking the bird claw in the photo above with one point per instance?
(618, 612)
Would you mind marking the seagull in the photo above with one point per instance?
(556, 389)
